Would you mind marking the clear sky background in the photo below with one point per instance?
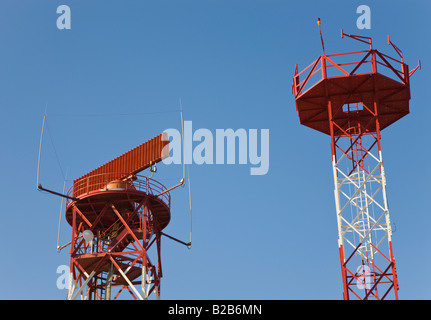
(231, 63)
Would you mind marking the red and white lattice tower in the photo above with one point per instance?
(352, 97)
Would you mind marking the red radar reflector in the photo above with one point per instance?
(129, 163)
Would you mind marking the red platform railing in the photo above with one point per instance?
(328, 66)
(108, 182)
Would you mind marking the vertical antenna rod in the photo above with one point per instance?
(182, 140)
(40, 150)
(321, 37)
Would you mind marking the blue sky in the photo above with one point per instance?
(231, 64)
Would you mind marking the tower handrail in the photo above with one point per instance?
(134, 182)
(324, 62)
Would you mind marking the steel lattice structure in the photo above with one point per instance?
(117, 218)
(352, 101)
(126, 220)
(364, 228)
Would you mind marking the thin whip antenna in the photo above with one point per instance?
(190, 202)
(182, 138)
(321, 37)
(40, 150)
(38, 185)
(61, 210)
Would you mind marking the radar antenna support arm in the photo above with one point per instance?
(417, 67)
(363, 39)
(167, 190)
(177, 240)
(39, 187)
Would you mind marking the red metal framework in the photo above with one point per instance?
(126, 220)
(352, 82)
(352, 101)
(117, 220)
